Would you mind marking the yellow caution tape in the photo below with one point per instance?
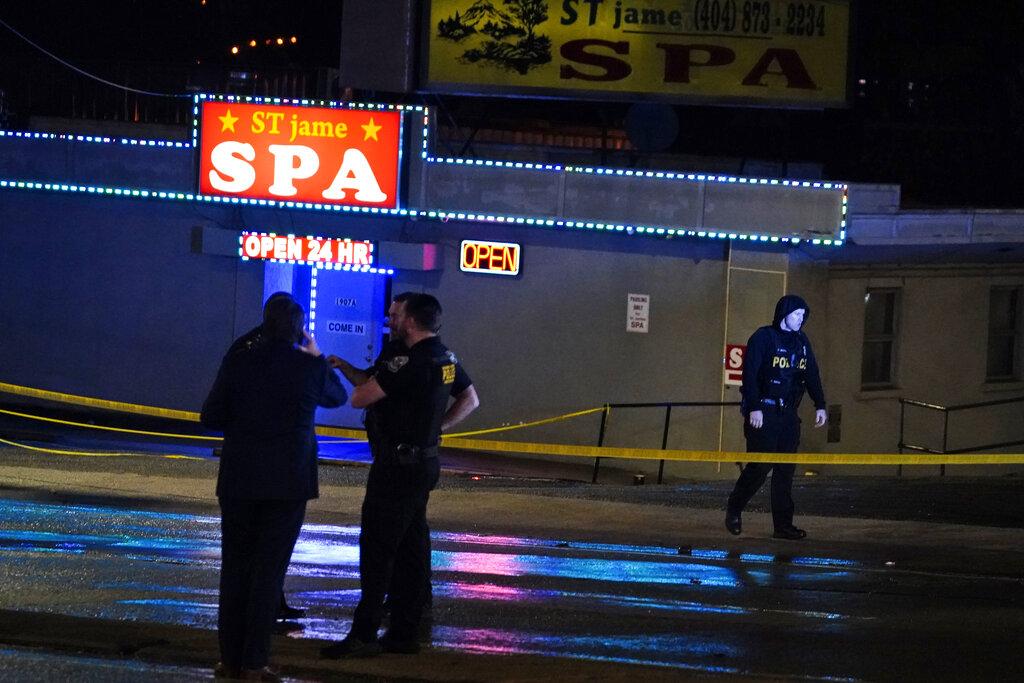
(522, 425)
(349, 434)
(330, 431)
(98, 403)
(93, 454)
(458, 440)
(74, 399)
(187, 416)
(109, 429)
(360, 435)
(736, 456)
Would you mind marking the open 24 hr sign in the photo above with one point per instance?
(312, 250)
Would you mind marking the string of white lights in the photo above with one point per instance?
(446, 215)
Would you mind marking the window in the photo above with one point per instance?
(878, 359)
(1003, 325)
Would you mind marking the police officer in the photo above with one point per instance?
(465, 401)
(406, 403)
(462, 389)
(778, 365)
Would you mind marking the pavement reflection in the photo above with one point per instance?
(173, 560)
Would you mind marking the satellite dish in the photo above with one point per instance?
(651, 126)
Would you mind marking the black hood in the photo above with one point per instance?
(787, 305)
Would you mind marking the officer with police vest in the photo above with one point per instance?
(407, 405)
(777, 367)
(465, 401)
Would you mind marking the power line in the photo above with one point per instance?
(86, 73)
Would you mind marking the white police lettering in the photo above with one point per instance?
(397, 363)
(452, 358)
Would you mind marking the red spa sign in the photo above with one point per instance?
(300, 154)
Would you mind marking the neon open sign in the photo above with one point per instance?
(497, 258)
(255, 245)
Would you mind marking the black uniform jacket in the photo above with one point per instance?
(417, 384)
(396, 348)
(779, 364)
(264, 400)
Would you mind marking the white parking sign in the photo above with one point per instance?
(638, 308)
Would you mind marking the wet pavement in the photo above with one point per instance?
(536, 576)
(976, 501)
(708, 610)
(31, 665)
(996, 501)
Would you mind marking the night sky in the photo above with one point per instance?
(181, 31)
(940, 109)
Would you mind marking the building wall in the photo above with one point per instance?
(112, 297)
(107, 297)
(130, 299)
(940, 359)
(104, 298)
(554, 339)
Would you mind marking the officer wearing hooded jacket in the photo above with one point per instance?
(778, 366)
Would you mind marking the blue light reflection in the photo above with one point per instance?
(618, 570)
(163, 568)
(649, 649)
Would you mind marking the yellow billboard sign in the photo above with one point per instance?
(724, 51)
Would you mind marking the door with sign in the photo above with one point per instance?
(345, 311)
(349, 321)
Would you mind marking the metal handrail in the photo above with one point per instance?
(921, 404)
(946, 410)
(986, 447)
(668, 406)
(675, 404)
(920, 449)
(960, 451)
(963, 406)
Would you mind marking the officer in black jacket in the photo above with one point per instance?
(406, 401)
(778, 365)
(465, 401)
(264, 400)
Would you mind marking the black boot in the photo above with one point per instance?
(733, 522)
(789, 533)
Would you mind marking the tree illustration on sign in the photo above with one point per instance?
(506, 35)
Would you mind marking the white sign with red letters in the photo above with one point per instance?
(734, 364)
